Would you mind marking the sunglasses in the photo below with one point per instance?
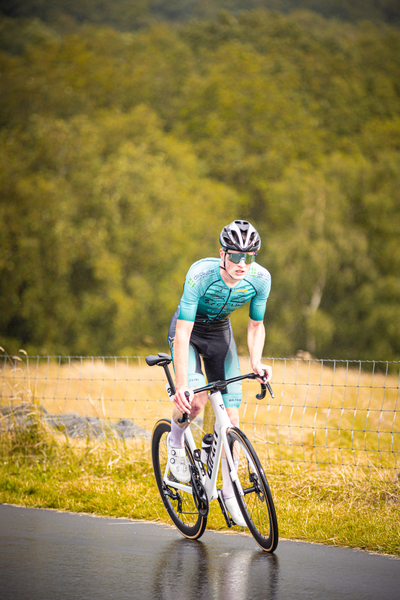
(237, 257)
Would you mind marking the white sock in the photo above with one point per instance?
(177, 435)
(227, 489)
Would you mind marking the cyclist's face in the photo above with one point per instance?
(236, 270)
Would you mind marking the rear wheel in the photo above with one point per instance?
(256, 504)
(180, 504)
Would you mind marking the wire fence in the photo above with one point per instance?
(325, 412)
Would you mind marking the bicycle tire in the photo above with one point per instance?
(256, 505)
(180, 505)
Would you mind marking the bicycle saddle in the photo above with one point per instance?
(161, 359)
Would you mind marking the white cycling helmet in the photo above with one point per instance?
(241, 236)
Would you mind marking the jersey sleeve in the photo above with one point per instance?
(259, 302)
(190, 298)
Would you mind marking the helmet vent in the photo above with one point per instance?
(240, 236)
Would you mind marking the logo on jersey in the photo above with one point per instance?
(253, 271)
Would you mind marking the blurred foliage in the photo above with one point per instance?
(123, 153)
(130, 14)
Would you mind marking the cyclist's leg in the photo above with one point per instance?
(221, 361)
(195, 379)
(233, 414)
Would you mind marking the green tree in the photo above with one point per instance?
(123, 154)
(98, 238)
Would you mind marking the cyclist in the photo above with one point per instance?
(200, 327)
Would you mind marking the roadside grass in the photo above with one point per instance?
(113, 478)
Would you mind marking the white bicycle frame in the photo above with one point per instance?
(209, 479)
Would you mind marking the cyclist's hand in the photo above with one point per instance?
(181, 402)
(264, 371)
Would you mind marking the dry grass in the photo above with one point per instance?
(324, 413)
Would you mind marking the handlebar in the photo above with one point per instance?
(218, 386)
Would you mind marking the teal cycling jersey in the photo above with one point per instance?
(206, 297)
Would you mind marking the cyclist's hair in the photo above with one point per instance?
(241, 236)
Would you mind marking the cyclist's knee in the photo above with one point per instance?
(199, 402)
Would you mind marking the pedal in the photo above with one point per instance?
(224, 511)
(174, 496)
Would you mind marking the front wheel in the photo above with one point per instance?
(256, 502)
(180, 504)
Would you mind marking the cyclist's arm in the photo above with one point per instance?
(255, 342)
(181, 361)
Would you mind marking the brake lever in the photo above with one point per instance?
(269, 388)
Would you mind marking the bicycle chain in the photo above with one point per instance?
(199, 493)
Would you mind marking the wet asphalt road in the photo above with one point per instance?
(48, 555)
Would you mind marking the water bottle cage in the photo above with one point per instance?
(206, 447)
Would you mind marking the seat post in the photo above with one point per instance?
(169, 378)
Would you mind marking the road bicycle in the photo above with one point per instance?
(188, 504)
